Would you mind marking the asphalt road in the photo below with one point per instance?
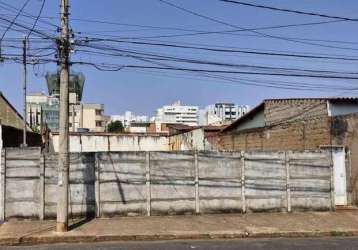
(350, 243)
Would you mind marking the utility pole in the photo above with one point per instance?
(24, 57)
(63, 156)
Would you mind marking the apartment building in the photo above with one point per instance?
(178, 113)
(222, 113)
(43, 109)
(90, 116)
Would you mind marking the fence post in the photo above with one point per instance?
(42, 187)
(333, 193)
(243, 199)
(3, 185)
(97, 184)
(196, 165)
(288, 187)
(147, 182)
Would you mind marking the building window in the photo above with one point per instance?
(70, 124)
(98, 123)
(98, 112)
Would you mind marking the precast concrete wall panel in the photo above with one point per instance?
(265, 181)
(310, 180)
(220, 181)
(22, 182)
(81, 192)
(122, 183)
(172, 177)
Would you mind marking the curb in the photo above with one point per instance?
(54, 239)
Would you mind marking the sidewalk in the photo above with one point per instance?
(224, 226)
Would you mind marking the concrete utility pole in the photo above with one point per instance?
(24, 61)
(63, 156)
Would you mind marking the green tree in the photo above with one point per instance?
(115, 127)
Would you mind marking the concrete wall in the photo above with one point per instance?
(198, 139)
(192, 140)
(82, 180)
(20, 185)
(156, 183)
(111, 142)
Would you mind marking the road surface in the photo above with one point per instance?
(350, 243)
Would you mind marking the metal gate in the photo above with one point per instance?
(340, 178)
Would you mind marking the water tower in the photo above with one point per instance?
(76, 84)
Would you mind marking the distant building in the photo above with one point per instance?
(128, 117)
(177, 113)
(222, 113)
(91, 116)
(44, 109)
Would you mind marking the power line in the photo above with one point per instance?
(194, 30)
(39, 33)
(211, 63)
(243, 81)
(290, 10)
(240, 48)
(253, 31)
(156, 56)
(37, 18)
(224, 50)
(232, 32)
(11, 8)
(114, 67)
(225, 32)
(13, 21)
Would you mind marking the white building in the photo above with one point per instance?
(128, 117)
(222, 113)
(177, 113)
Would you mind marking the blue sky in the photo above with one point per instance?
(143, 92)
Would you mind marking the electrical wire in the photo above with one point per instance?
(253, 31)
(37, 19)
(223, 50)
(290, 10)
(13, 21)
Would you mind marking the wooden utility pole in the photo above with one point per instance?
(24, 61)
(63, 156)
